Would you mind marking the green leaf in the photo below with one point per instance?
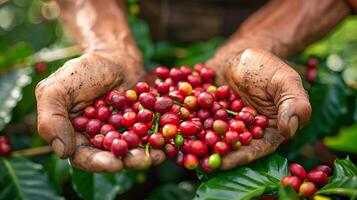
(344, 180)
(287, 193)
(245, 182)
(58, 171)
(345, 140)
(24, 180)
(183, 191)
(15, 54)
(101, 186)
(11, 85)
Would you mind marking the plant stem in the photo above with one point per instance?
(178, 103)
(32, 151)
(231, 112)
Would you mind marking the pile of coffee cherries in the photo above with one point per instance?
(5, 146)
(183, 113)
(307, 183)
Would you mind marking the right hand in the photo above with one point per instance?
(65, 93)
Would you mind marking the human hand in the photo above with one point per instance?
(65, 93)
(273, 88)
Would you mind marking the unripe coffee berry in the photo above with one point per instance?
(307, 189)
(214, 161)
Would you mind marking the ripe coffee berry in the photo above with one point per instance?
(5, 146)
(116, 121)
(147, 100)
(106, 128)
(188, 128)
(157, 140)
(108, 139)
(231, 137)
(236, 125)
(211, 138)
(162, 72)
(131, 138)
(90, 112)
(93, 127)
(257, 132)
(246, 117)
(131, 96)
(97, 141)
(140, 129)
(99, 103)
(199, 148)
(142, 87)
(169, 118)
(205, 165)
(307, 189)
(297, 170)
(293, 181)
(163, 105)
(221, 147)
(119, 147)
(80, 123)
(185, 88)
(324, 168)
(221, 114)
(205, 100)
(190, 102)
(129, 119)
(190, 161)
(223, 92)
(261, 121)
(237, 105)
(103, 113)
(245, 137)
(145, 115)
(318, 177)
(170, 150)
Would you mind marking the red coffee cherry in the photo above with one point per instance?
(194, 80)
(231, 136)
(169, 118)
(185, 88)
(211, 138)
(220, 126)
(257, 132)
(142, 87)
(199, 148)
(176, 75)
(170, 150)
(162, 72)
(140, 129)
(163, 105)
(250, 109)
(163, 88)
(179, 158)
(188, 128)
(261, 120)
(190, 161)
(237, 105)
(203, 114)
(205, 100)
(245, 137)
(318, 177)
(99, 103)
(205, 165)
(221, 147)
(293, 181)
(246, 117)
(118, 101)
(145, 115)
(297, 170)
(190, 102)
(93, 127)
(108, 139)
(206, 74)
(157, 140)
(147, 100)
(223, 92)
(236, 125)
(221, 114)
(119, 147)
(80, 123)
(90, 112)
(106, 128)
(116, 121)
(129, 119)
(103, 113)
(131, 138)
(170, 131)
(97, 141)
(324, 168)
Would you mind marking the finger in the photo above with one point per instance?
(138, 159)
(258, 148)
(53, 123)
(294, 109)
(92, 159)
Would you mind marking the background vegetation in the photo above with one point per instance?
(32, 46)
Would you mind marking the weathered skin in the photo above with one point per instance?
(111, 60)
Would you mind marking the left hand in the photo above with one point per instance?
(273, 88)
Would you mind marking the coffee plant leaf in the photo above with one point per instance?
(24, 180)
(100, 186)
(15, 54)
(245, 182)
(287, 193)
(11, 85)
(182, 191)
(343, 181)
(345, 141)
(58, 171)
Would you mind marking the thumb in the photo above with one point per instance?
(294, 109)
(54, 125)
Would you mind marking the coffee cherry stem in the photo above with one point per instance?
(147, 149)
(156, 123)
(231, 112)
(178, 103)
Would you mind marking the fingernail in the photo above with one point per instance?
(58, 147)
(293, 125)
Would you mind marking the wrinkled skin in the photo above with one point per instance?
(273, 88)
(69, 90)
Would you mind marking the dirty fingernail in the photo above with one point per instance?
(58, 147)
(293, 125)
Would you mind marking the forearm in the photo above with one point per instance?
(286, 27)
(97, 25)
